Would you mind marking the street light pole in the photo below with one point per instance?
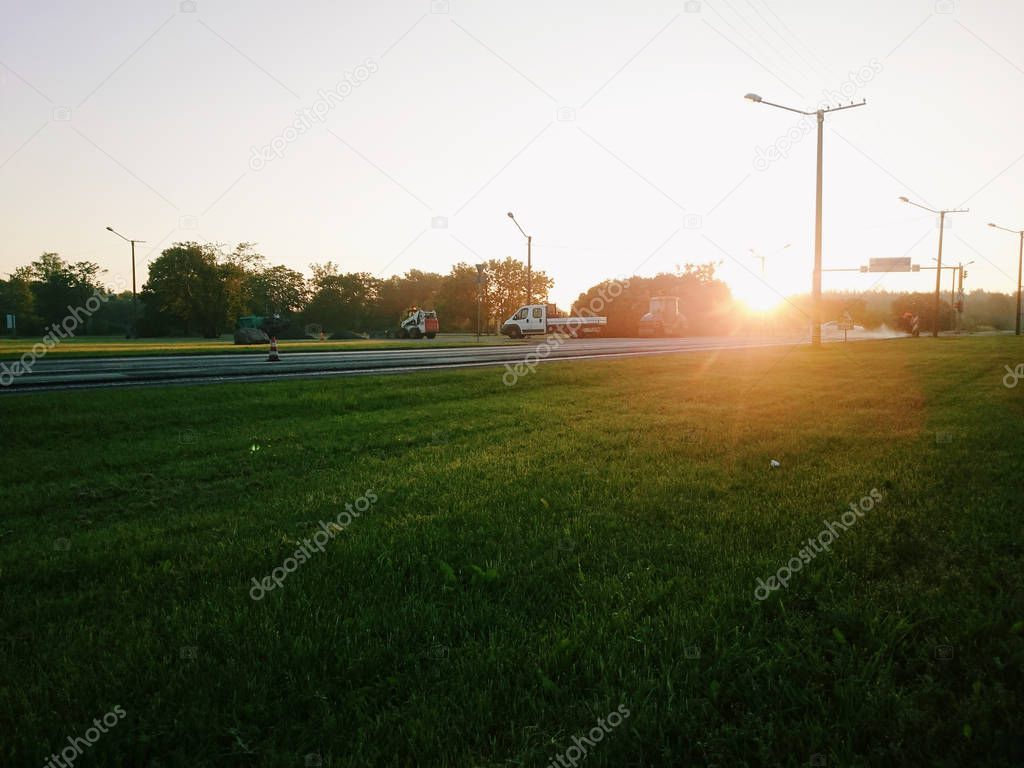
(938, 271)
(529, 269)
(529, 260)
(764, 258)
(816, 280)
(1020, 263)
(132, 330)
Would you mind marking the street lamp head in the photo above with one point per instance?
(110, 229)
(991, 224)
(753, 97)
(510, 215)
(904, 199)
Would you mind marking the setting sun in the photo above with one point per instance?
(756, 287)
(757, 296)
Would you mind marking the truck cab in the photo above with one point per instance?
(537, 319)
(528, 320)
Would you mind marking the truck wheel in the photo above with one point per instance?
(414, 333)
(402, 333)
(431, 335)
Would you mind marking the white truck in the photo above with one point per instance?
(535, 319)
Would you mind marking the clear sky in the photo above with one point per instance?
(616, 131)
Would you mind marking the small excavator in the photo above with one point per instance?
(419, 323)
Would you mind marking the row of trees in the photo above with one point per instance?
(40, 293)
(360, 301)
(704, 300)
(982, 310)
(195, 288)
(203, 289)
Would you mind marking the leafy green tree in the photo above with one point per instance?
(16, 298)
(503, 291)
(505, 288)
(984, 310)
(277, 290)
(341, 302)
(57, 285)
(323, 275)
(398, 293)
(188, 283)
(456, 299)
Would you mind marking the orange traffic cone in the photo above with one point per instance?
(273, 356)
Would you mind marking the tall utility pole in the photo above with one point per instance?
(816, 280)
(1020, 263)
(132, 332)
(529, 260)
(938, 271)
(938, 276)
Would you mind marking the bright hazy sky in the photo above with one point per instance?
(143, 115)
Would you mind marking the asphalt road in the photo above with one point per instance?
(77, 373)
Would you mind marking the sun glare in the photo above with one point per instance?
(756, 296)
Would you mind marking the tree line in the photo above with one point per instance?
(203, 289)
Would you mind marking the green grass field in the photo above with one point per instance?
(116, 346)
(537, 557)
